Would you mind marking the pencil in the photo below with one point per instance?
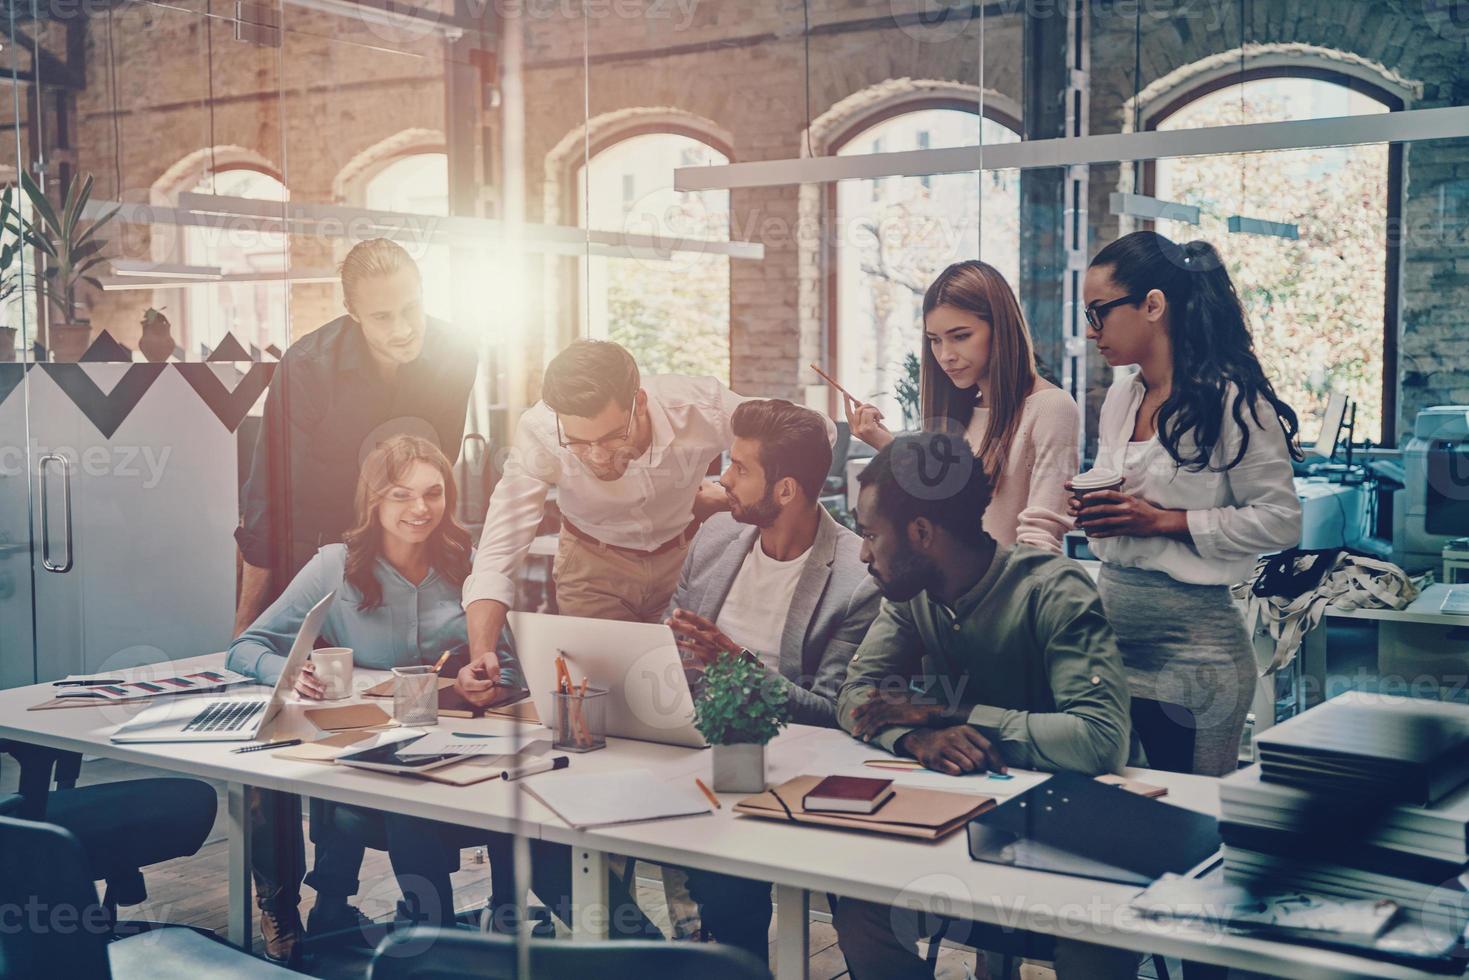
(707, 792)
(833, 382)
(439, 664)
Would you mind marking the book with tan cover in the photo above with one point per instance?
(923, 814)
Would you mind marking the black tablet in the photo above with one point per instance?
(390, 758)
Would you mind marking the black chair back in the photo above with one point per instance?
(62, 929)
(438, 954)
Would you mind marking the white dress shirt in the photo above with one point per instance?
(754, 613)
(650, 504)
(1234, 515)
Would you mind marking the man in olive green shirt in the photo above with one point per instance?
(982, 657)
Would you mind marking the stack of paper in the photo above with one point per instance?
(1363, 797)
(603, 799)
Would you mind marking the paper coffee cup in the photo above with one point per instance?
(334, 670)
(1093, 480)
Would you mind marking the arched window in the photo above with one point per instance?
(255, 312)
(1323, 308)
(673, 314)
(892, 235)
(418, 183)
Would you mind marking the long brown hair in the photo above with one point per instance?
(978, 288)
(448, 546)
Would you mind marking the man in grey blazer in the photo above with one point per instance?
(778, 582)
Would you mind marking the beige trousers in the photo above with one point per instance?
(599, 582)
(603, 583)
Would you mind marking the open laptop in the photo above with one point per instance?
(638, 664)
(227, 719)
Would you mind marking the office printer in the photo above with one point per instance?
(1433, 506)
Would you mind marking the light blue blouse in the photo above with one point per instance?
(414, 624)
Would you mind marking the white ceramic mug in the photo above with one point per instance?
(334, 670)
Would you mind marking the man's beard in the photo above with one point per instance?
(762, 513)
(911, 574)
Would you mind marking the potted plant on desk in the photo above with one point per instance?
(72, 249)
(739, 709)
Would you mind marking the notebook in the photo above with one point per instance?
(604, 799)
(848, 794)
(924, 814)
(1404, 749)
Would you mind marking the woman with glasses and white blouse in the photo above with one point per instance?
(1204, 446)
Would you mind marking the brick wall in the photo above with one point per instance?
(332, 92)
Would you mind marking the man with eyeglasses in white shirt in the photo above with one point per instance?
(628, 456)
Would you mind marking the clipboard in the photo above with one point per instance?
(922, 814)
(1073, 825)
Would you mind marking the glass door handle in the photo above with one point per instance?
(46, 561)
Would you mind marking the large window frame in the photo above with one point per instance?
(576, 199)
(830, 212)
(1391, 322)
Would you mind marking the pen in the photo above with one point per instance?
(267, 745)
(531, 768)
(91, 682)
(707, 792)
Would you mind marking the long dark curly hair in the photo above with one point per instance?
(1212, 346)
(448, 546)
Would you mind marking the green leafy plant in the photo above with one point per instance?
(740, 703)
(13, 237)
(71, 245)
(906, 390)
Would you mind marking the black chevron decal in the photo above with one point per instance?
(106, 411)
(228, 406)
(10, 378)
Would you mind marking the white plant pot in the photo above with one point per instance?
(739, 768)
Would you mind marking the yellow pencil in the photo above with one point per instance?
(709, 793)
(440, 664)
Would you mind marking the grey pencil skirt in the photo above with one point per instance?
(1186, 646)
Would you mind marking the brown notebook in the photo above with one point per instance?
(924, 814)
(848, 794)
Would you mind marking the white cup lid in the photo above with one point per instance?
(1095, 479)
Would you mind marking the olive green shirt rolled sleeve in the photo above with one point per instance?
(890, 655)
(1089, 730)
(1026, 657)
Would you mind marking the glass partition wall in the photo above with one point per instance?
(727, 189)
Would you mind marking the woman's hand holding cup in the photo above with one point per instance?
(308, 685)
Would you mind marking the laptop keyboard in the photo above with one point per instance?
(225, 716)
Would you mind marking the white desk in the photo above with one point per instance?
(798, 860)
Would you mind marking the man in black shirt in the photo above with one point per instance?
(381, 370)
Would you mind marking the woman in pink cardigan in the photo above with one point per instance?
(979, 378)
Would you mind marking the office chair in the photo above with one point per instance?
(45, 877)
(437, 954)
(124, 826)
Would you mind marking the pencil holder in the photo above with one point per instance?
(580, 722)
(415, 695)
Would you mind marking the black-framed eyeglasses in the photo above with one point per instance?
(1097, 312)
(608, 443)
